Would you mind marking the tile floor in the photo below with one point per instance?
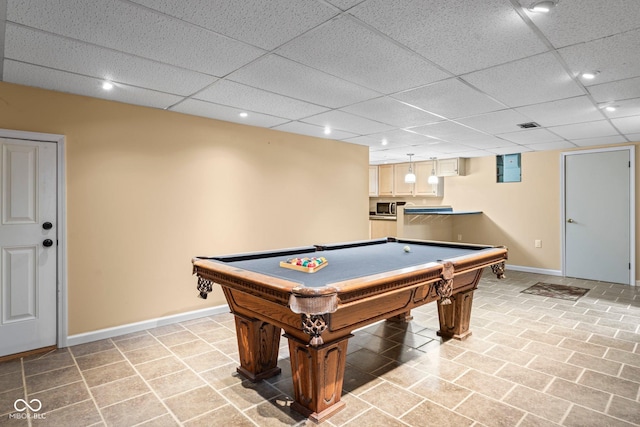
(531, 361)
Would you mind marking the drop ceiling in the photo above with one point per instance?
(434, 78)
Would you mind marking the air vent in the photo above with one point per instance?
(529, 125)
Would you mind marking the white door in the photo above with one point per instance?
(28, 245)
(597, 215)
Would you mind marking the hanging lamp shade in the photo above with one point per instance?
(433, 178)
(410, 177)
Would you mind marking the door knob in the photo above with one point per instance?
(47, 242)
(570, 221)
(47, 225)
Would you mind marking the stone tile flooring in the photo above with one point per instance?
(531, 361)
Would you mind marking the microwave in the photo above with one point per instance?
(386, 208)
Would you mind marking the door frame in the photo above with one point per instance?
(632, 204)
(61, 212)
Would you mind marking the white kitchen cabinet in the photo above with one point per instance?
(451, 167)
(422, 186)
(401, 188)
(385, 180)
(373, 181)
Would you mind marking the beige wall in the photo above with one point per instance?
(514, 214)
(149, 189)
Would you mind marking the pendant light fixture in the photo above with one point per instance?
(410, 177)
(433, 178)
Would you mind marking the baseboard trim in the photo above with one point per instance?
(546, 271)
(141, 326)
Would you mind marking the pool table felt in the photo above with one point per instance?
(351, 263)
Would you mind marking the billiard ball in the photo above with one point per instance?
(407, 249)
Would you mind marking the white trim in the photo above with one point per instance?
(102, 334)
(61, 196)
(534, 270)
(632, 204)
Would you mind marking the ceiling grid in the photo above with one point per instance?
(437, 79)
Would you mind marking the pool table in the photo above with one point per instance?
(363, 282)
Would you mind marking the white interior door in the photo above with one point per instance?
(597, 216)
(28, 245)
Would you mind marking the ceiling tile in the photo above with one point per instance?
(531, 136)
(459, 35)
(36, 47)
(573, 22)
(630, 107)
(350, 51)
(400, 154)
(627, 125)
(469, 154)
(383, 157)
(601, 140)
(585, 130)
(511, 150)
(450, 98)
(340, 120)
(405, 137)
(136, 30)
(495, 122)
(280, 75)
(263, 24)
(621, 89)
(448, 148)
(610, 56)
(531, 80)
(228, 114)
(449, 131)
(344, 4)
(394, 140)
(313, 130)
(573, 110)
(392, 112)
(546, 146)
(32, 75)
(487, 142)
(371, 141)
(250, 99)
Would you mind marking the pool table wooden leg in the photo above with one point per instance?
(455, 317)
(318, 375)
(258, 344)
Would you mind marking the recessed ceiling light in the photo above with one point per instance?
(243, 114)
(384, 141)
(543, 6)
(609, 107)
(589, 75)
(107, 85)
(327, 130)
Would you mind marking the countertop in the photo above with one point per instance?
(436, 210)
(383, 217)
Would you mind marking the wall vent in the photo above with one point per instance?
(529, 125)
